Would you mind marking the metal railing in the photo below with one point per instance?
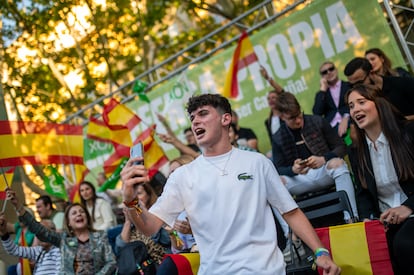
(235, 23)
(406, 41)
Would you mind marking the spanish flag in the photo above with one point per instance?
(186, 263)
(154, 156)
(358, 248)
(243, 56)
(119, 137)
(117, 115)
(24, 262)
(5, 181)
(80, 173)
(39, 143)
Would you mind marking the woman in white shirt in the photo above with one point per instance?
(99, 209)
(382, 159)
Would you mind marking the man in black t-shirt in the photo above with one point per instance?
(246, 135)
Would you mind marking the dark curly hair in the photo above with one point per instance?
(217, 101)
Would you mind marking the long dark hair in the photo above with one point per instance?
(392, 124)
(94, 197)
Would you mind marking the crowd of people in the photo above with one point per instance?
(231, 203)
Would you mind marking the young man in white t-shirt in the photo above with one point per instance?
(227, 194)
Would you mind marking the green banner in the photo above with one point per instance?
(291, 50)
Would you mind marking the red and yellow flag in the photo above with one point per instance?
(39, 143)
(154, 156)
(243, 56)
(358, 248)
(5, 181)
(80, 173)
(24, 262)
(120, 137)
(186, 263)
(117, 115)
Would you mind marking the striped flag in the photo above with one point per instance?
(154, 156)
(243, 56)
(186, 263)
(39, 143)
(120, 137)
(24, 262)
(358, 248)
(80, 173)
(118, 126)
(117, 115)
(6, 181)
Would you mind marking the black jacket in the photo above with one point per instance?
(367, 198)
(320, 139)
(325, 106)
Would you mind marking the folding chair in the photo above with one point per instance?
(321, 211)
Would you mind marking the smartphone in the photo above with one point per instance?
(137, 150)
(303, 161)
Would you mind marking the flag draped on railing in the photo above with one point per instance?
(39, 143)
(243, 56)
(358, 248)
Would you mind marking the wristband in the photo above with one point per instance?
(134, 204)
(319, 252)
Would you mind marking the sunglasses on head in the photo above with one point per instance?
(330, 69)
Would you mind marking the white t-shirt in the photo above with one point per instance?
(230, 215)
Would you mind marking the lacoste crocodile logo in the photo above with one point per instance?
(244, 176)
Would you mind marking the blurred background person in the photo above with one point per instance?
(83, 250)
(45, 256)
(382, 65)
(99, 209)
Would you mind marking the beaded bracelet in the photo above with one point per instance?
(134, 204)
(319, 252)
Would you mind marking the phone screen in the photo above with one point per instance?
(137, 150)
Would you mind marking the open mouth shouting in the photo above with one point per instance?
(199, 133)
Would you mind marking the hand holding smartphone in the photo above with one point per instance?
(137, 150)
(303, 161)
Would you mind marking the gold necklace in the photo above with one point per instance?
(223, 172)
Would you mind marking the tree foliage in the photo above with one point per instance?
(58, 56)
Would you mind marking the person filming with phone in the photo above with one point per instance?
(308, 153)
(227, 194)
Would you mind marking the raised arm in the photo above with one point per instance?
(164, 122)
(184, 149)
(132, 176)
(41, 232)
(271, 81)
